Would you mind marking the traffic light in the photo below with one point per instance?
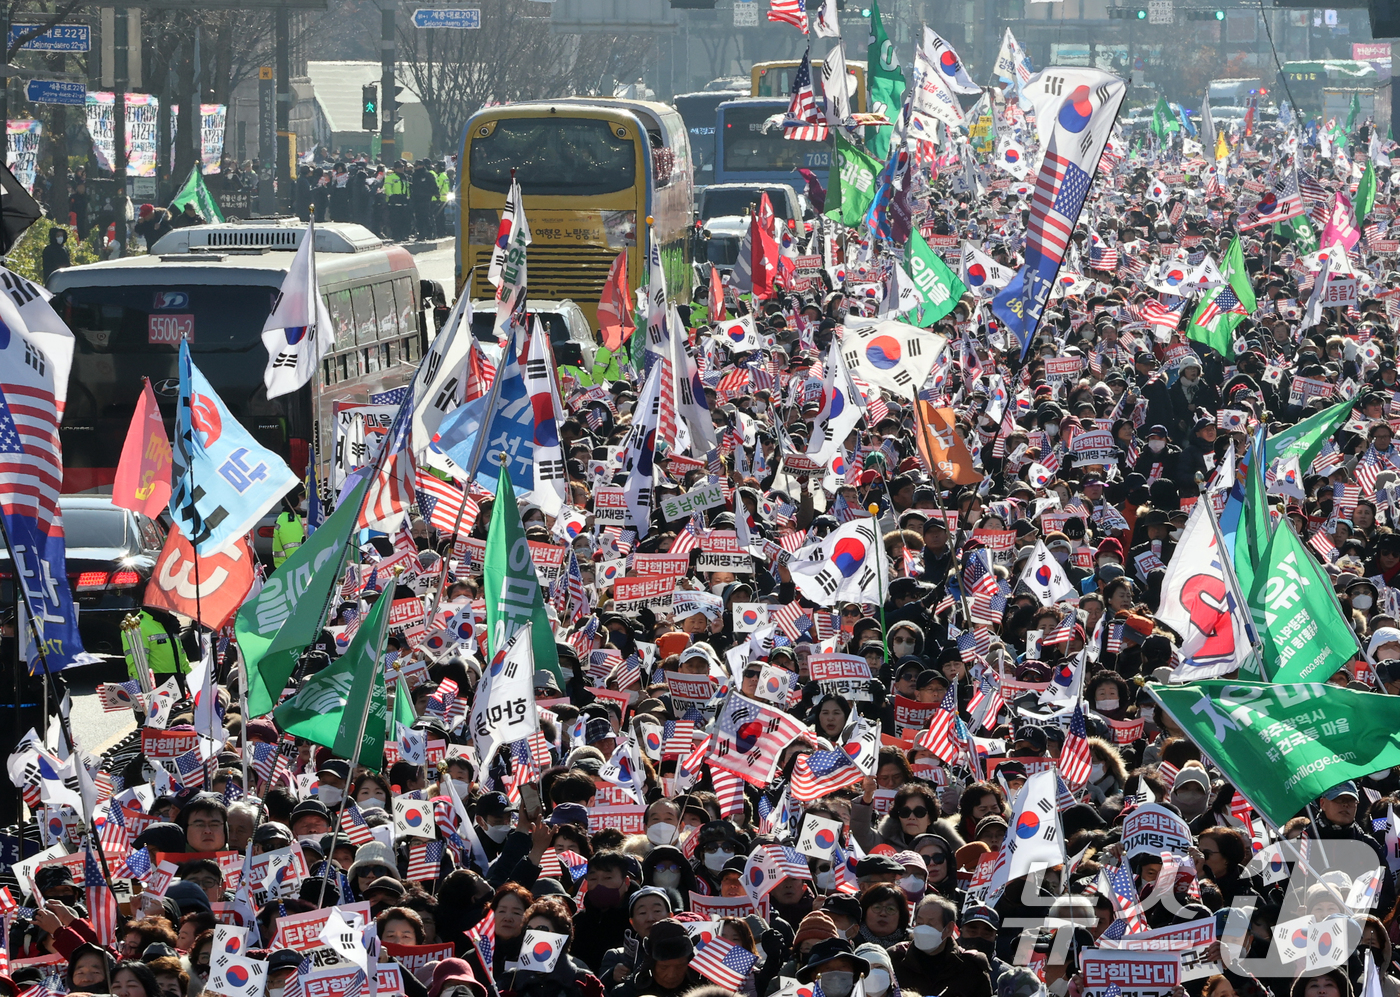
(1205, 15)
(395, 103)
(369, 108)
(1127, 13)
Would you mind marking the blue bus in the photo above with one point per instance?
(745, 153)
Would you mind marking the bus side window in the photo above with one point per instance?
(338, 304)
(328, 370)
(388, 314)
(403, 294)
(366, 325)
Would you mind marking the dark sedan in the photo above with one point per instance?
(111, 554)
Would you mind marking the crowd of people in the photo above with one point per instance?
(851, 835)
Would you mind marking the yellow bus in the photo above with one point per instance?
(591, 171)
(774, 79)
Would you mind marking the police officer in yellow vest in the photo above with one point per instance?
(288, 534)
(396, 201)
(165, 655)
(444, 186)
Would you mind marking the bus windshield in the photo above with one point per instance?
(579, 157)
(719, 201)
(134, 319)
(747, 148)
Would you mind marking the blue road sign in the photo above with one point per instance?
(60, 38)
(56, 92)
(439, 17)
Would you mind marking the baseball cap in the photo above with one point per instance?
(1347, 788)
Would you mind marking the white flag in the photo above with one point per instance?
(509, 270)
(625, 768)
(847, 565)
(892, 355)
(949, 66)
(344, 937)
(638, 452)
(692, 408)
(542, 386)
(1044, 577)
(819, 836)
(1034, 842)
(738, 335)
(1200, 602)
(443, 385)
(504, 707)
(983, 275)
(828, 22)
(840, 412)
(299, 331)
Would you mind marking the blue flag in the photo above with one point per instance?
(223, 481)
(31, 470)
(509, 421)
(315, 515)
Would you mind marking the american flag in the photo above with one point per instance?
(1102, 256)
(1121, 890)
(263, 760)
(135, 865)
(792, 619)
(391, 488)
(986, 702)
(295, 986)
(938, 737)
(805, 119)
(1157, 314)
(582, 638)
(1060, 189)
(1225, 302)
(688, 539)
(719, 961)
(1366, 473)
(1323, 546)
(1311, 190)
(554, 862)
(403, 541)
(424, 860)
(1074, 756)
(679, 735)
(577, 596)
(1240, 809)
(354, 826)
(113, 833)
(627, 672)
(440, 501)
(822, 773)
(483, 933)
(729, 790)
(190, 766)
(1279, 204)
(102, 906)
(31, 463)
(974, 643)
(394, 397)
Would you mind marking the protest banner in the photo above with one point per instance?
(1137, 974)
(1153, 829)
(1191, 941)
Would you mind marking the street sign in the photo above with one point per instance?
(439, 17)
(56, 92)
(60, 38)
(745, 14)
(1160, 12)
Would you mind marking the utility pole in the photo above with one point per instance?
(286, 152)
(121, 68)
(58, 198)
(388, 105)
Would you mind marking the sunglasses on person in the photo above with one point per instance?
(752, 673)
(904, 812)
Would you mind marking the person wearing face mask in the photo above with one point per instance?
(834, 964)
(915, 879)
(667, 868)
(1191, 791)
(493, 822)
(604, 916)
(716, 843)
(977, 932)
(1106, 772)
(880, 980)
(1109, 695)
(1159, 456)
(932, 961)
(1376, 941)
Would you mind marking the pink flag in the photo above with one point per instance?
(1341, 228)
(143, 473)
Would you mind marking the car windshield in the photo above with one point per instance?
(94, 527)
(719, 203)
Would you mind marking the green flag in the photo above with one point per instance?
(1365, 194)
(1304, 439)
(1163, 120)
(403, 711)
(1283, 746)
(513, 595)
(938, 285)
(884, 81)
(1251, 538)
(286, 617)
(1303, 233)
(197, 193)
(1303, 634)
(1215, 320)
(1353, 111)
(856, 171)
(326, 710)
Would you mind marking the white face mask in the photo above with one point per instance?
(877, 981)
(826, 880)
(714, 861)
(275, 992)
(1095, 772)
(1108, 704)
(912, 884)
(1362, 601)
(497, 833)
(668, 880)
(373, 803)
(926, 937)
(719, 589)
(1052, 430)
(1062, 556)
(662, 833)
(1156, 446)
(330, 796)
(1147, 713)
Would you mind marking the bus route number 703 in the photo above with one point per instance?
(817, 159)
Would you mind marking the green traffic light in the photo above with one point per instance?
(1220, 15)
(369, 107)
(1142, 15)
(865, 12)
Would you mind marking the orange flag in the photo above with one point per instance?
(941, 448)
(615, 306)
(224, 579)
(142, 483)
(716, 295)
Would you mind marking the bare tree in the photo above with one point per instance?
(513, 56)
